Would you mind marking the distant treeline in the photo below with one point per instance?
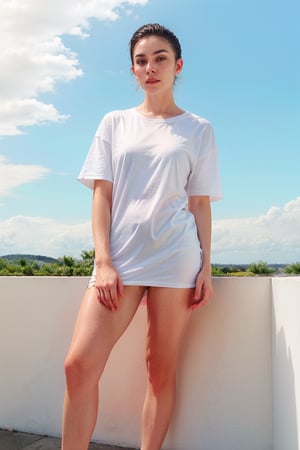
(32, 265)
(39, 259)
(38, 265)
(255, 268)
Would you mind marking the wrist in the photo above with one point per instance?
(104, 260)
(206, 267)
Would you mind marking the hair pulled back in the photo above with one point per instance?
(155, 29)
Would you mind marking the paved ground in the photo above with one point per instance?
(13, 440)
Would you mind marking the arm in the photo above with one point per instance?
(199, 206)
(108, 282)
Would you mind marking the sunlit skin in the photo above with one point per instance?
(155, 69)
(108, 307)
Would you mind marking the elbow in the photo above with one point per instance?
(198, 202)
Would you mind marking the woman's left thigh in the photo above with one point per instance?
(168, 316)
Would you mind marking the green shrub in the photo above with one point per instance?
(260, 268)
(217, 272)
(242, 274)
(293, 269)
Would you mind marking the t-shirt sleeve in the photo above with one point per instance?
(98, 162)
(205, 175)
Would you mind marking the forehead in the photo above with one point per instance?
(151, 44)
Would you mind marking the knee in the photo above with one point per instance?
(161, 374)
(76, 372)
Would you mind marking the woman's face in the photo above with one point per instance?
(154, 64)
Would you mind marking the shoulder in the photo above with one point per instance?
(118, 114)
(201, 131)
(196, 127)
(197, 121)
(112, 119)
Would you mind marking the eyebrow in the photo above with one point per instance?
(154, 53)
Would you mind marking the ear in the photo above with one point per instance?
(134, 73)
(179, 66)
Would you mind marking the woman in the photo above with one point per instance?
(153, 171)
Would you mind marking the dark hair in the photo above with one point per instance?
(155, 29)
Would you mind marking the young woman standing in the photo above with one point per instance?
(153, 170)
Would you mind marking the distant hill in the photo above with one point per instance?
(245, 266)
(39, 259)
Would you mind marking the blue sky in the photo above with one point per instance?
(66, 65)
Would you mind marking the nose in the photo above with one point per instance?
(150, 68)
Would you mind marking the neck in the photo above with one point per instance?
(157, 106)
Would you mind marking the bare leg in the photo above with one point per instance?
(168, 315)
(96, 331)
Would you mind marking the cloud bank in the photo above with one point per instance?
(273, 237)
(34, 58)
(43, 236)
(14, 175)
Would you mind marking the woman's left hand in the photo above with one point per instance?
(203, 289)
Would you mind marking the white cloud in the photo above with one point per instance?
(34, 57)
(14, 175)
(272, 237)
(43, 236)
(26, 112)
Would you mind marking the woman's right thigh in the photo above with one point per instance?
(97, 329)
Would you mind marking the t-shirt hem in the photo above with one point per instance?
(88, 181)
(158, 284)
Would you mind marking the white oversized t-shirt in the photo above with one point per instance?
(154, 165)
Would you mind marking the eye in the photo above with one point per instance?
(161, 58)
(140, 62)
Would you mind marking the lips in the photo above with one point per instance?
(152, 81)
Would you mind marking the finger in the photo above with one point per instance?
(204, 298)
(198, 292)
(104, 299)
(98, 293)
(114, 298)
(200, 298)
(120, 287)
(110, 301)
(198, 304)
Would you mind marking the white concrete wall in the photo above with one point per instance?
(286, 363)
(224, 376)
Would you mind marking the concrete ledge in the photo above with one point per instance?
(225, 375)
(286, 363)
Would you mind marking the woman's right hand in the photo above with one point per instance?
(109, 286)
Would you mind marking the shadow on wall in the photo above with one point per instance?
(285, 410)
